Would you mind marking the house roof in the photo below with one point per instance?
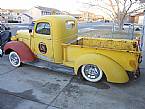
(45, 8)
(27, 15)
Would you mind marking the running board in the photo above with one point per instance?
(52, 66)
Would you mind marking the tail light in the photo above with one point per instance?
(133, 64)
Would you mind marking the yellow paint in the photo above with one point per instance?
(113, 71)
(122, 56)
(113, 56)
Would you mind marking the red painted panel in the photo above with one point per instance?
(25, 53)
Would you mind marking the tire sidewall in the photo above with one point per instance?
(17, 57)
(89, 79)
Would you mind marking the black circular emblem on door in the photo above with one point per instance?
(42, 48)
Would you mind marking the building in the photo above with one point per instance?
(4, 15)
(136, 18)
(24, 18)
(77, 16)
(10, 15)
(100, 18)
(65, 13)
(38, 11)
(88, 16)
(83, 16)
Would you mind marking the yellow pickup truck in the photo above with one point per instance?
(54, 44)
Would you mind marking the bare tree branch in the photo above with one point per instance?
(112, 6)
(119, 9)
(93, 5)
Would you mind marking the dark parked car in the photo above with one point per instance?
(107, 21)
(5, 36)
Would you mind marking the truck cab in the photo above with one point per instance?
(55, 43)
(47, 37)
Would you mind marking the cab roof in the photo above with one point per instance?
(56, 17)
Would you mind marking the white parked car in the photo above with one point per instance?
(136, 27)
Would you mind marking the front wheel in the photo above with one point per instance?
(91, 73)
(14, 59)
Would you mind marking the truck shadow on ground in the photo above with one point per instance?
(99, 85)
(28, 94)
(75, 79)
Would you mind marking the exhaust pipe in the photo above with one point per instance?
(136, 74)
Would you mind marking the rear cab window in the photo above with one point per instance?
(70, 25)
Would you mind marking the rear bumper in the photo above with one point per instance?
(134, 75)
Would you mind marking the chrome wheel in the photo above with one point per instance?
(14, 59)
(91, 73)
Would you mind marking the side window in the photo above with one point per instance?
(43, 28)
(70, 24)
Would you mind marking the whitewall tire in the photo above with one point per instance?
(14, 59)
(91, 73)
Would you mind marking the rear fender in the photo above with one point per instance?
(113, 71)
(25, 53)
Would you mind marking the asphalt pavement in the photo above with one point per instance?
(28, 87)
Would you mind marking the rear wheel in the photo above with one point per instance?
(14, 59)
(91, 73)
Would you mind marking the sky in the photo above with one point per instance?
(66, 5)
(72, 6)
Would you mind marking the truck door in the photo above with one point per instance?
(42, 41)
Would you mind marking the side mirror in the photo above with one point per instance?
(30, 31)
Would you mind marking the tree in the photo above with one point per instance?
(118, 10)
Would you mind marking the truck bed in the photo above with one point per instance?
(121, 51)
(104, 43)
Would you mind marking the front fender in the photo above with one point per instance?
(113, 71)
(25, 53)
